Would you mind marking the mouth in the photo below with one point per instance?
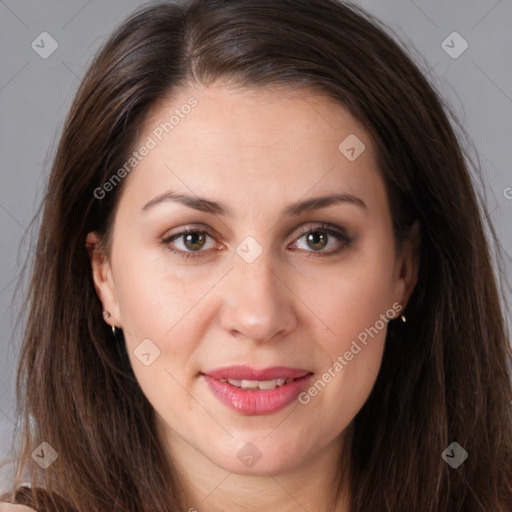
(252, 392)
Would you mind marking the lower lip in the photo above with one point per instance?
(258, 401)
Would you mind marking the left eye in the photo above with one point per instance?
(317, 239)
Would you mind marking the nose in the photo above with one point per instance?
(258, 304)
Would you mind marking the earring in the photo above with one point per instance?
(403, 319)
(106, 314)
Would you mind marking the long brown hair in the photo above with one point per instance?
(445, 374)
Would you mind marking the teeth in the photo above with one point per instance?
(247, 384)
(269, 384)
(258, 384)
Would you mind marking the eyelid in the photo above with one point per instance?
(322, 226)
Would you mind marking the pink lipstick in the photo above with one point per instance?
(251, 391)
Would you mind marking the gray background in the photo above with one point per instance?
(35, 94)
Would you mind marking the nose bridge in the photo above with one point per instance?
(257, 304)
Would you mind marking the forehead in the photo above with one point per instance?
(276, 117)
(222, 140)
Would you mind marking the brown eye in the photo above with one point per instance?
(317, 239)
(191, 243)
(194, 240)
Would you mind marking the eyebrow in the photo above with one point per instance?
(219, 208)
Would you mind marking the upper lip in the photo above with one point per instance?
(248, 373)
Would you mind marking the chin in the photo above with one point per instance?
(257, 458)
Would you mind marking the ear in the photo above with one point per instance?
(407, 266)
(102, 278)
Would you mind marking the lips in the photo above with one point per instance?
(251, 391)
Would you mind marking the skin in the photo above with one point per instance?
(256, 152)
(7, 507)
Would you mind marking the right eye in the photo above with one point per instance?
(192, 240)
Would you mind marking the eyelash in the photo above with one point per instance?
(324, 228)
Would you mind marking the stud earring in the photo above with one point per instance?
(403, 319)
(106, 314)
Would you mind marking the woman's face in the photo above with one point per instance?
(289, 271)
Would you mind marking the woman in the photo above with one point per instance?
(262, 280)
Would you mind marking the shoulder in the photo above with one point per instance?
(8, 507)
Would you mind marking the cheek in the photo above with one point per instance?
(350, 298)
(154, 298)
(350, 365)
(355, 308)
(160, 303)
